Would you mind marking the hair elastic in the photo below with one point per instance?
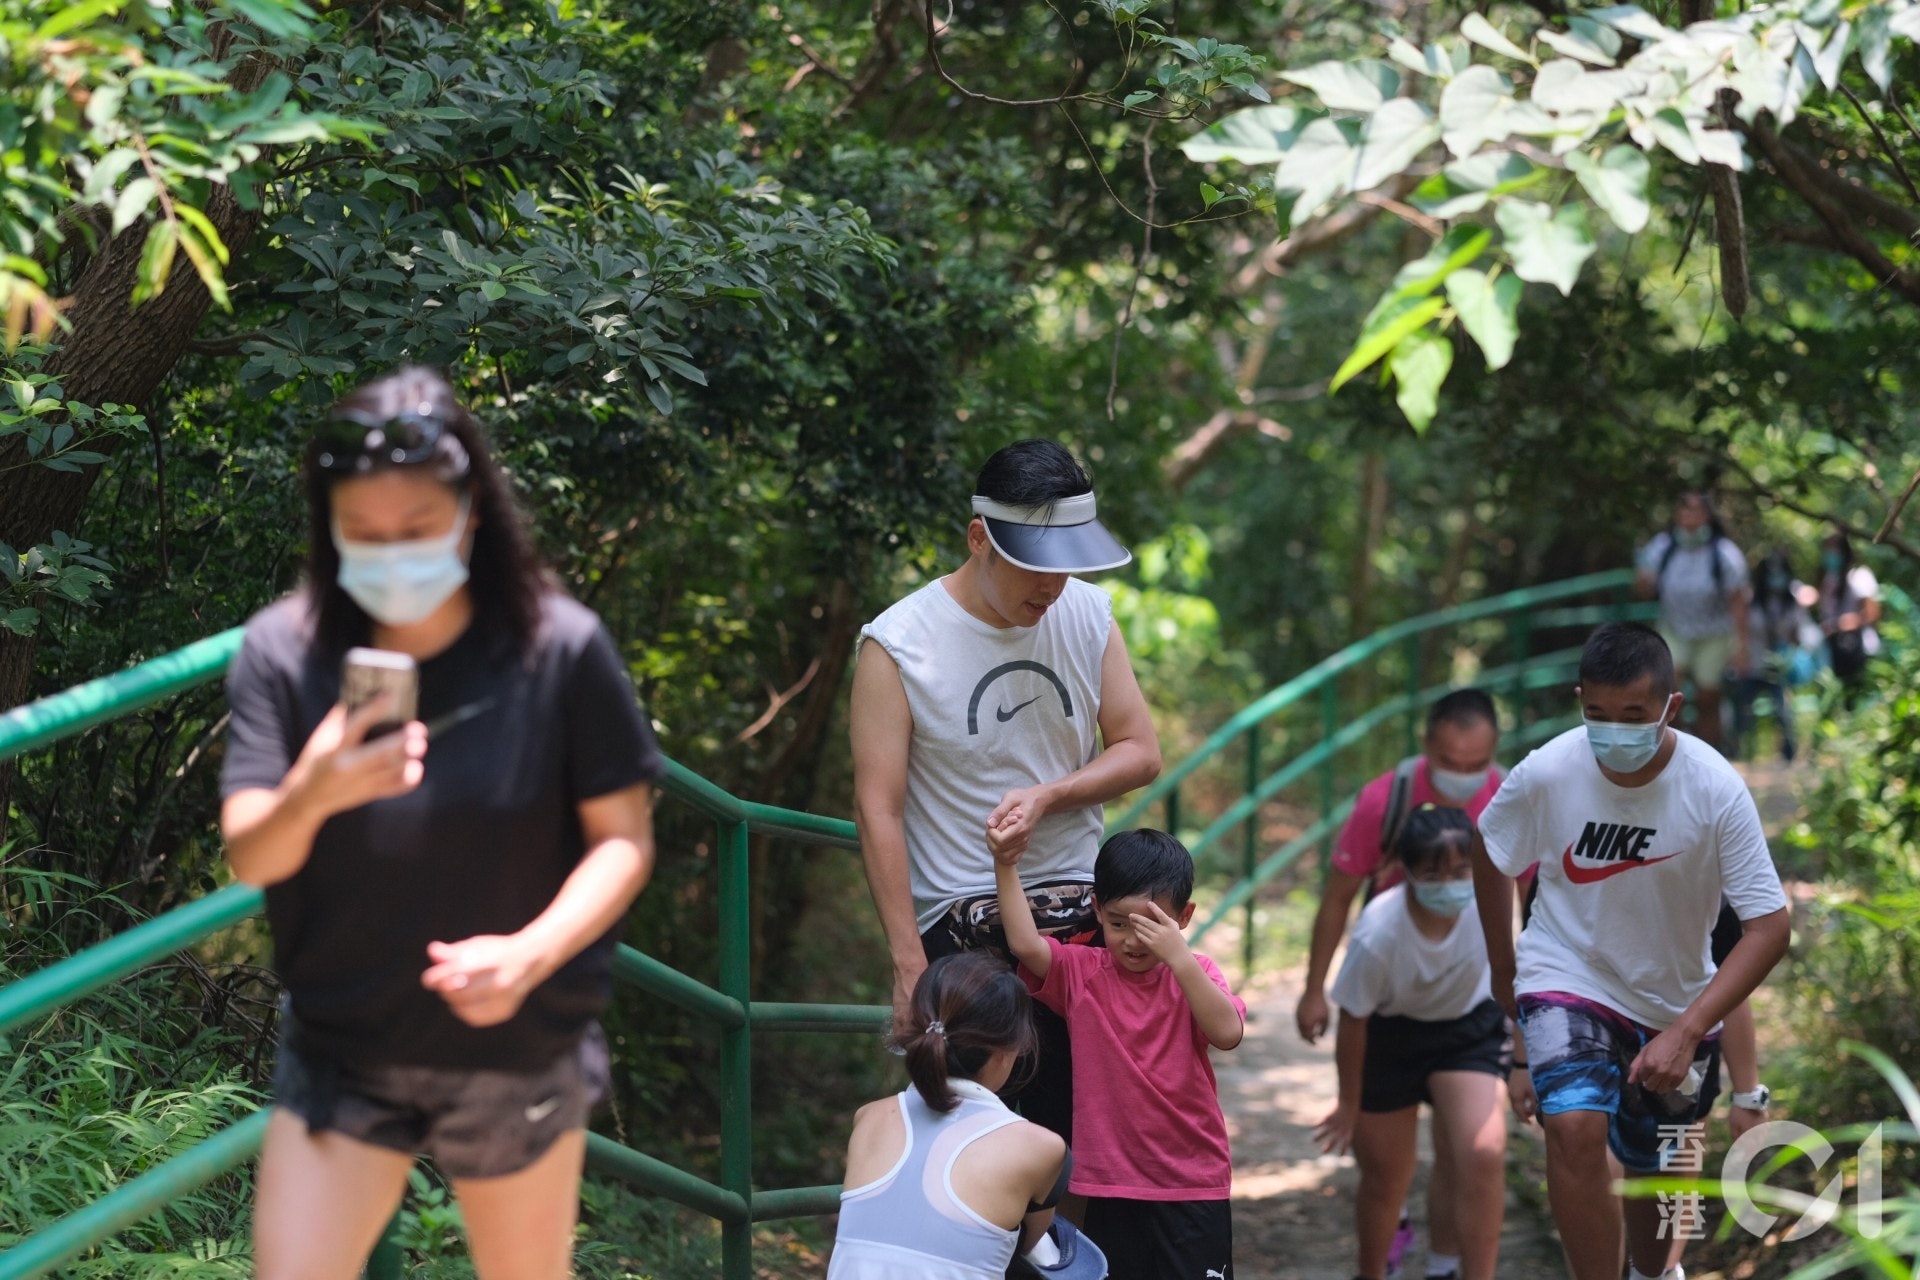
(936, 1028)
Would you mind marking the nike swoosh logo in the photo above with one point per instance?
(1004, 715)
(536, 1114)
(1594, 875)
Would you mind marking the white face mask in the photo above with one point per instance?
(1457, 787)
(400, 583)
(1626, 748)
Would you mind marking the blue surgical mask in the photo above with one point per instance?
(1832, 561)
(1693, 537)
(400, 583)
(1444, 897)
(1625, 748)
(1457, 787)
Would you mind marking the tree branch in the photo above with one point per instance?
(1821, 190)
(1885, 537)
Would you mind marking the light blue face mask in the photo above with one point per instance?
(400, 583)
(1625, 748)
(1444, 897)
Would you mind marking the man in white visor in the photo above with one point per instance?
(994, 712)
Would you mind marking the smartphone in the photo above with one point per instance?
(369, 672)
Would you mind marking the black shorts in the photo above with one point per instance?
(1163, 1239)
(473, 1123)
(1403, 1052)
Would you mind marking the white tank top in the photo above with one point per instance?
(908, 1224)
(994, 709)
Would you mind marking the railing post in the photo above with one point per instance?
(1413, 694)
(736, 1057)
(1329, 725)
(1250, 852)
(1173, 811)
(1521, 631)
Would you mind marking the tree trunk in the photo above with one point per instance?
(116, 354)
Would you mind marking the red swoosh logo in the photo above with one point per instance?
(1594, 875)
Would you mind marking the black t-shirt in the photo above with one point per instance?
(482, 846)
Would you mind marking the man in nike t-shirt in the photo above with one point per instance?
(1638, 831)
(994, 712)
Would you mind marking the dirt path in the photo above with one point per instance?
(1292, 1206)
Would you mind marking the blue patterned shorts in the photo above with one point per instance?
(1579, 1053)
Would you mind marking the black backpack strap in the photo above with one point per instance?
(1399, 803)
(1059, 1186)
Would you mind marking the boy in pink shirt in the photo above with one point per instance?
(1150, 1142)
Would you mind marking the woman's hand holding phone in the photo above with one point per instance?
(339, 769)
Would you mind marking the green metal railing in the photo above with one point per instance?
(1524, 616)
(729, 1007)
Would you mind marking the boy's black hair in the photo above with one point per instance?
(1619, 653)
(1032, 473)
(1431, 832)
(1146, 862)
(1464, 708)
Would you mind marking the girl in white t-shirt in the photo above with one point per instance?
(1418, 1024)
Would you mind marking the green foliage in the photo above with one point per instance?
(1855, 968)
(1593, 113)
(107, 1089)
(60, 435)
(119, 110)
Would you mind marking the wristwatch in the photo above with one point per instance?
(1754, 1100)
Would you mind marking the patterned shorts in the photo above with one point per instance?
(1579, 1053)
(1062, 910)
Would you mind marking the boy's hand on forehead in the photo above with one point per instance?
(1160, 932)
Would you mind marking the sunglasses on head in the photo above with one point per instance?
(350, 443)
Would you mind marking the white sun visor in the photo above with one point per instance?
(1061, 537)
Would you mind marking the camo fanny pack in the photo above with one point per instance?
(1063, 910)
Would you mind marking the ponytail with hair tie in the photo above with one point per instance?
(989, 1010)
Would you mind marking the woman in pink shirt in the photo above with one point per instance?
(1142, 1012)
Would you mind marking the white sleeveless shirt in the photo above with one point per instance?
(994, 709)
(908, 1224)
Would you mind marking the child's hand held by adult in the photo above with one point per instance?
(1010, 825)
(483, 979)
(339, 769)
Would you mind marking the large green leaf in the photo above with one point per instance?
(1319, 165)
(1631, 20)
(1548, 246)
(1584, 39)
(1397, 133)
(1420, 364)
(1466, 185)
(1422, 276)
(1383, 332)
(1617, 182)
(1360, 85)
(1488, 310)
(1483, 33)
(1258, 135)
(1471, 108)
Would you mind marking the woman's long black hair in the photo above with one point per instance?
(966, 1008)
(505, 573)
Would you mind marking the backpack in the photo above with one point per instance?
(1673, 549)
(1399, 803)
